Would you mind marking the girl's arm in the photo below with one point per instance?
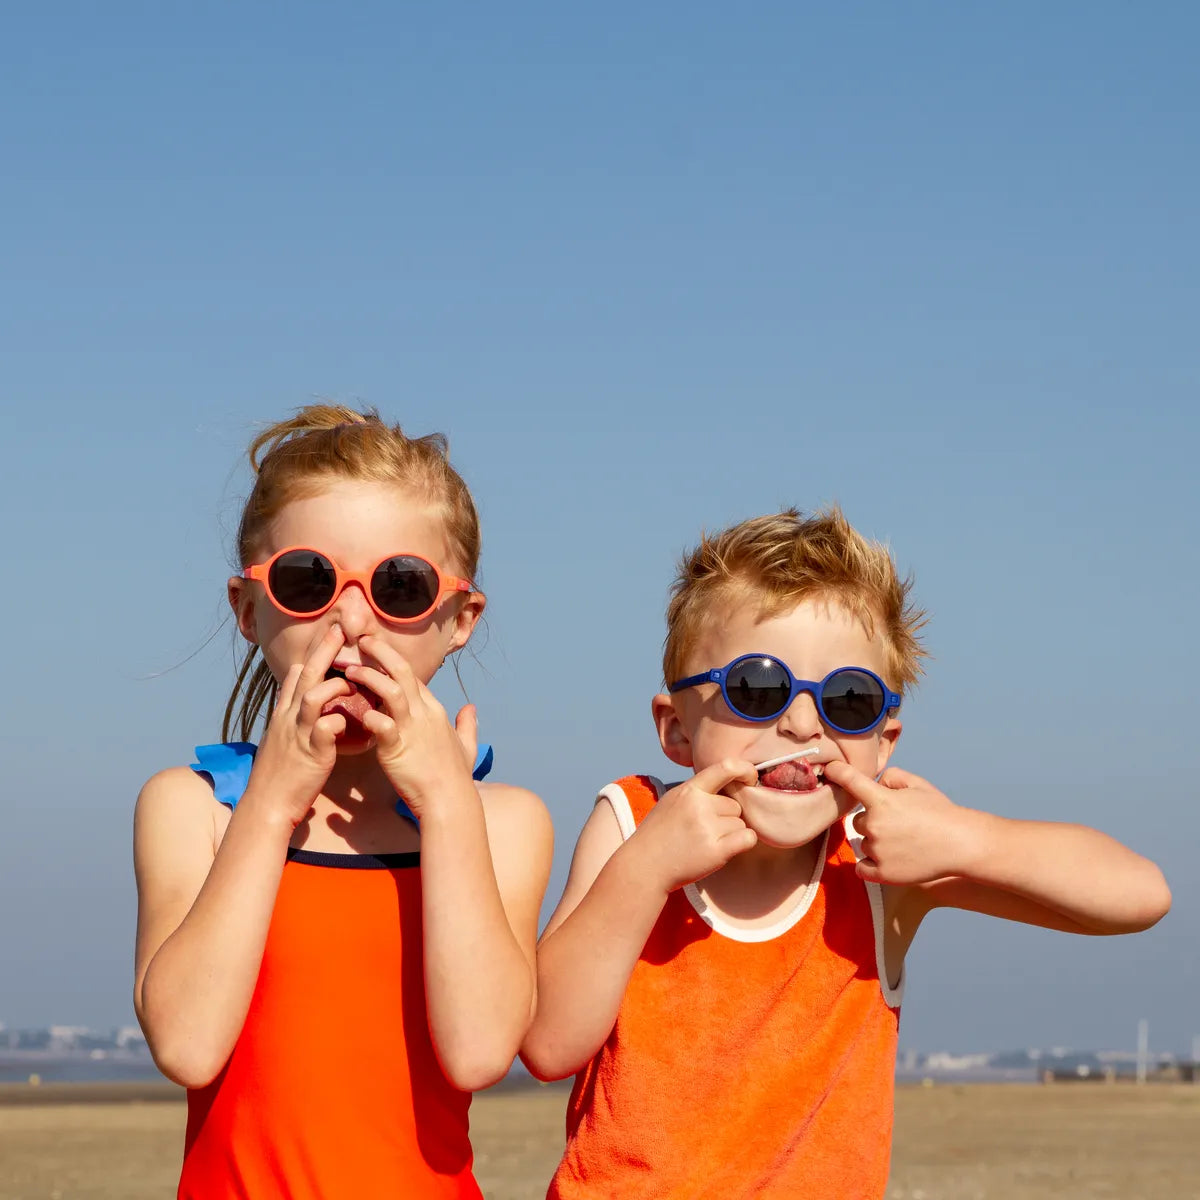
(484, 867)
(203, 912)
(202, 920)
(614, 895)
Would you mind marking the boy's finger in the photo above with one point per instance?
(852, 781)
(868, 869)
(739, 841)
(728, 770)
(895, 778)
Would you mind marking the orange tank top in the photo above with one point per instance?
(333, 1090)
(744, 1062)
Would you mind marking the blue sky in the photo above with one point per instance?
(653, 268)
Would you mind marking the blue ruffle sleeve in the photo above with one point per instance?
(226, 765)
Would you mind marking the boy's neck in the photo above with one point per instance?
(761, 884)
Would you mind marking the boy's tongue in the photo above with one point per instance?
(794, 776)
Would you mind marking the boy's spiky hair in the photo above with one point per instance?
(779, 560)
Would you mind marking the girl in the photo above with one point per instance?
(336, 930)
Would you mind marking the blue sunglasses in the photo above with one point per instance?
(759, 687)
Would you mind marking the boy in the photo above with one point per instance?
(725, 968)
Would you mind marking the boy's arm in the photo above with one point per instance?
(1057, 876)
(589, 948)
(614, 894)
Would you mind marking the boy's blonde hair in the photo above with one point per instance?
(779, 560)
(296, 459)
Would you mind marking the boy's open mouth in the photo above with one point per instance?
(792, 777)
(354, 706)
(793, 773)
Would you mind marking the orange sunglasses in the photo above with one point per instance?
(303, 582)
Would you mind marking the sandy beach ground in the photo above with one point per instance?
(953, 1142)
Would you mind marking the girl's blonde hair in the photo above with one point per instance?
(775, 562)
(297, 458)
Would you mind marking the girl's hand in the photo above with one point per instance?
(695, 829)
(299, 747)
(418, 749)
(911, 832)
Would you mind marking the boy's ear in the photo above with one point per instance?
(466, 619)
(238, 593)
(888, 738)
(672, 735)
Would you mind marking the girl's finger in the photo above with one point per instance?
(321, 653)
(326, 731)
(287, 689)
(394, 664)
(392, 693)
(466, 725)
(381, 727)
(318, 696)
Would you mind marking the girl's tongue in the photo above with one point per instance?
(354, 706)
(794, 776)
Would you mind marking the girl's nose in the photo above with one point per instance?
(802, 720)
(352, 610)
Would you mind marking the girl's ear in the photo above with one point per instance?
(466, 619)
(672, 735)
(237, 590)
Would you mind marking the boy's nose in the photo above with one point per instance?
(802, 720)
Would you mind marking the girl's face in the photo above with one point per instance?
(356, 524)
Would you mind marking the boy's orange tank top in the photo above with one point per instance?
(744, 1062)
(333, 1090)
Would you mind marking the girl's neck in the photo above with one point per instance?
(357, 780)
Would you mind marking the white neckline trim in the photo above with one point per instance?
(719, 923)
(716, 921)
(892, 996)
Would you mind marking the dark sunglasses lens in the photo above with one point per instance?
(302, 581)
(758, 687)
(852, 700)
(404, 587)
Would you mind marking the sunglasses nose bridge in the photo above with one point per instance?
(352, 607)
(802, 717)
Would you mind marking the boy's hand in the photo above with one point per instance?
(911, 833)
(694, 829)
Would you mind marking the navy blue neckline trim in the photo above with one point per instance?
(354, 862)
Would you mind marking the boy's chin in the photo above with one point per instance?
(786, 820)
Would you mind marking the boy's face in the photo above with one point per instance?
(697, 728)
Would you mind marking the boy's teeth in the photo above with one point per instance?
(795, 755)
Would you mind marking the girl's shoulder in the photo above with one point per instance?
(176, 812)
(517, 819)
